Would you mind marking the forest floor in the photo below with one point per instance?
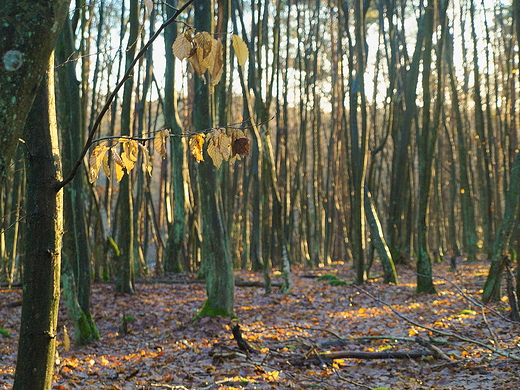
(292, 334)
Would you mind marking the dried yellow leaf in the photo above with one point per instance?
(241, 50)
(96, 160)
(197, 67)
(117, 157)
(217, 66)
(147, 160)
(204, 42)
(119, 173)
(219, 147)
(182, 47)
(106, 167)
(196, 143)
(129, 155)
(159, 142)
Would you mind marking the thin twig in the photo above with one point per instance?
(441, 332)
(475, 302)
(482, 309)
(351, 381)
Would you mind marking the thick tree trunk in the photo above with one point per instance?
(28, 32)
(41, 280)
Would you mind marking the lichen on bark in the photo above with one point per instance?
(28, 31)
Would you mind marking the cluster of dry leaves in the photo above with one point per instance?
(205, 55)
(292, 335)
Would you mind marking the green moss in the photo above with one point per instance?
(337, 282)
(207, 310)
(327, 277)
(85, 330)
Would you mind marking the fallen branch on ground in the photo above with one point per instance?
(238, 282)
(441, 332)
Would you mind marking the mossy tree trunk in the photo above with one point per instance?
(357, 137)
(218, 266)
(378, 240)
(492, 287)
(426, 140)
(176, 245)
(41, 263)
(75, 240)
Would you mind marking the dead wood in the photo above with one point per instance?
(362, 355)
(238, 282)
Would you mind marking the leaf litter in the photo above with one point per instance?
(290, 336)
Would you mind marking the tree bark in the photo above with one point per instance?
(218, 266)
(41, 280)
(75, 241)
(426, 137)
(176, 245)
(125, 277)
(492, 287)
(28, 32)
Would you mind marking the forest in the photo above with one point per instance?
(259, 194)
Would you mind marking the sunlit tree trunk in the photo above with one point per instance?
(25, 47)
(75, 240)
(41, 263)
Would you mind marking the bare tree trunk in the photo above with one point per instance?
(218, 266)
(26, 42)
(125, 278)
(75, 241)
(176, 245)
(492, 287)
(42, 259)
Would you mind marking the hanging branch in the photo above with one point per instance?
(105, 108)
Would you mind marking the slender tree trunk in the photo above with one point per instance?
(492, 287)
(378, 240)
(218, 266)
(75, 241)
(126, 263)
(176, 245)
(41, 279)
(426, 141)
(358, 135)
(399, 217)
(484, 167)
(467, 209)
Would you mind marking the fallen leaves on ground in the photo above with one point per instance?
(164, 349)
